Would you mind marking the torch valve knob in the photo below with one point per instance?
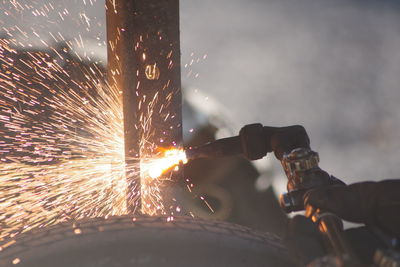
(299, 160)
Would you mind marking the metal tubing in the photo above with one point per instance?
(144, 63)
(332, 228)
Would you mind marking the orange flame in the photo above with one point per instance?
(170, 158)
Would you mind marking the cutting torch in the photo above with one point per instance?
(291, 145)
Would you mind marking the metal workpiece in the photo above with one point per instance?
(144, 65)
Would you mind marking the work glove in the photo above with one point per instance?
(372, 203)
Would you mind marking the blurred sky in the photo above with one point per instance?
(332, 66)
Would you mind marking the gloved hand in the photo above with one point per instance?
(372, 203)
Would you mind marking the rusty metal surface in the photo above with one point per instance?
(144, 64)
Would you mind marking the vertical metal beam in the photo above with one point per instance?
(144, 63)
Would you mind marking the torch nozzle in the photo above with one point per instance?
(220, 148)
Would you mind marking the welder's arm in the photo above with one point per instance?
(373, 203)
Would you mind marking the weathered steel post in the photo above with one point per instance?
(144, 63)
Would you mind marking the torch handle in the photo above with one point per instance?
(220, 148)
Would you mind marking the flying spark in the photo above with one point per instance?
(61, 126)
(62, 144)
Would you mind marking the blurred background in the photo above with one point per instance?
(332, 66)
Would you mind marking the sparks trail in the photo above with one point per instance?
(62, 144)
(61, 126)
